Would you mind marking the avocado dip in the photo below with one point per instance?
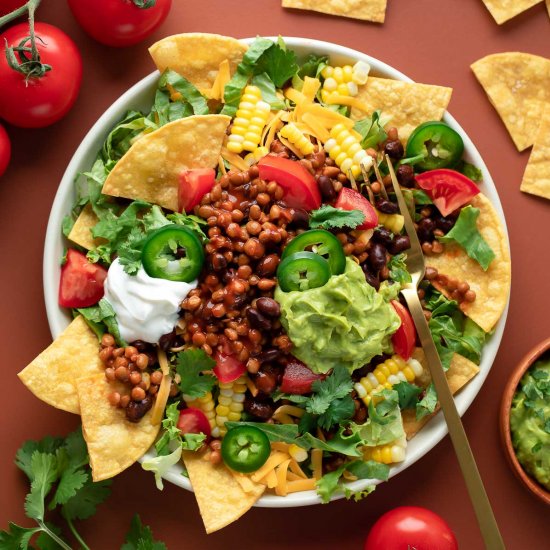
(344, 322)
(530, 422)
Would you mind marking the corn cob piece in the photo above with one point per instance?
(344, 147)
(230, 404)
(387, 454)
(385, 375)
(344, 80)
(291, 132)
(249, 122)
(205, 404)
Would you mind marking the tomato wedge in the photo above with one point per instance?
(194, 184)
(348, 199)
(193, 421)
(300, 187)
(404, 339)
(448, 189)
(298, 378)
(81, 283)
(228, 368)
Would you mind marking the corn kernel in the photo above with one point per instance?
(327, 71)
(348, 72)
(361, 72)
(338, 74)
(330, 85)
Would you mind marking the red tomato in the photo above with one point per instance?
(7, 6)
(40, 101)
(298, 378)
(194, 184)
(5, 150)
(81, 283)
(448, 189)
(300, 187)
(410, 527)
(119, 22)
(228, 368)
(348, 199)
(194, 421)
(404, 339)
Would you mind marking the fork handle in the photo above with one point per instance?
(476, 490)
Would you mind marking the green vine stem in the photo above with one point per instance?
(144, 4)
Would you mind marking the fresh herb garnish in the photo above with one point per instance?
(140, 537)
(190, 366)
(398, 269)
(408, 394)
(328, 217)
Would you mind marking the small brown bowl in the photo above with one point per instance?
(530, 483)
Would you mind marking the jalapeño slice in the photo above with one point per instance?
(303, 271)
(441, 145)
(173, 252)
(320, 242)
(245, 449)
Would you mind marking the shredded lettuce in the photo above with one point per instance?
(428, 403)
(101, 318)
(371, 130)
(189, 93)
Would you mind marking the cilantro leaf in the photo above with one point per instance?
(23, 457)
(466, 234)
(278, 63)
(398, 269)
(313, 65)
(336, 385)
(140, 537)
(428, 403)
(408, 394)
(338, 411)
(17, 537)
(190, 364)
(328, 217)
(84, 503)
(72, 480)
(45, 474)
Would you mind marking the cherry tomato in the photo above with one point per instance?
(298, 378)
(194, 184)
(81, 283)
(228, 368)
(5, 150)
(409, 527)
(7, 6)
(193, 421)
(349, 199)
(448, 189)
(40, 101)
(119, 22)
(300, 187)
(404, 339)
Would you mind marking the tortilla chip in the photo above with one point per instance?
(409, 104)
(151, 167)
(197, 56)
(503, 10)
(220, 497)
(492, 286)
(460, 372)
(81, 233)
(518, 86)
(367, 10)
(548, 7)
(536, 179)
(52, 375)
(114, 443)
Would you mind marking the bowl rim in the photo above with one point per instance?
(436, 429)
(535, 353)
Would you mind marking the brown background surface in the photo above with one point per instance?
(432, 41)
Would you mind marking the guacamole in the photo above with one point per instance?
(345, 322)
(530, 422)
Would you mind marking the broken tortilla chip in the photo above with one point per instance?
(367, 10)
(460, 372)
(114, 443)
(409, 104)
(81, 233)
(151, 168)
(518, 86)
(503, 10)
(52, 375)
(492, 286)
(536, 179)
(220, 497)
(197, 56)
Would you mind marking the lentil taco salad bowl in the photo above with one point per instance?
(223, 264)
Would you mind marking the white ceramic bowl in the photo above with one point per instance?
(140, 97)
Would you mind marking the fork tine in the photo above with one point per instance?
(379, 178)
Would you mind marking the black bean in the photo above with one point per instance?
(257, 320)
(387, 207)
(382, 236)
(136, 410)
(266, 380)
(394, 149)
(377, 256)
(268, 355)
(267, 266)
(141, 346)
(444, 223)
(269, 307)
(259, 409)
(425, 229)
(300, 217)
(167, 341)
(327, 189)
(399, 244)
(405, 175)
(371, 278)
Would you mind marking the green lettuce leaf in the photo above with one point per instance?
(189, 92)
(269, 93)
(428, 403)
(371, 130)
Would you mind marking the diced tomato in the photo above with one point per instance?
(448, 189)
(194, 184)
(298, 378)
(193, 421)
(301, 189)
(81, 283)
(349, 199)
(404, 339)
(228, 368)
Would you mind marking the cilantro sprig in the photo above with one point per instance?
(190, 366)
(328, 217)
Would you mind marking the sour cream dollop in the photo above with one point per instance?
(145, 307)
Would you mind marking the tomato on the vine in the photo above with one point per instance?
(40, 101)
(411, 527)
(119, 22)
(5, 150)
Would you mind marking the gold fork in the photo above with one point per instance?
(416, 267)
